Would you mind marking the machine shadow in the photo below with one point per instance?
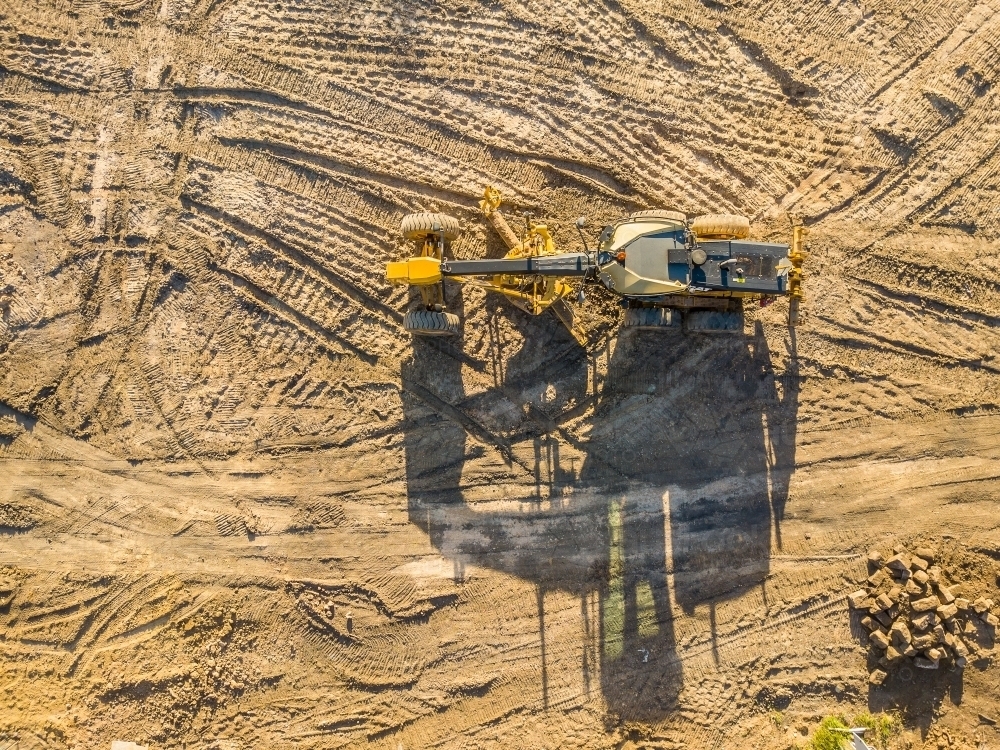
(684, 473)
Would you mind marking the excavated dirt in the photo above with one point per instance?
(240, 508)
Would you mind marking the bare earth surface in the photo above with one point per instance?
(217, 444)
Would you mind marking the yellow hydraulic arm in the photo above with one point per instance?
(796, 256)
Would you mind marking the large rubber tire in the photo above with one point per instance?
(714, 321)
(721, 226)
(418, 226)
(659, 213)
(649, 317)
(430, 323)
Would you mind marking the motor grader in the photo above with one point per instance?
(668, 271)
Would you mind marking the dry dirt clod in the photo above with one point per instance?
(898, 563)
(944, 593)
(924, 621)
(879, 639)
(946, 611)
(857, 599)
(883, 601)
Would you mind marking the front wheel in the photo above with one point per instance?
(431, 323)
(418, 226)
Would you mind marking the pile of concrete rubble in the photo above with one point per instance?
(915, 614)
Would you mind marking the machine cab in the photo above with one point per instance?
(650, 256)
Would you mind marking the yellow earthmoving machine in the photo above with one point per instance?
(668, 271)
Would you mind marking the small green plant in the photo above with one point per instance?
(777, 718)
(881, 728)
(826, 738)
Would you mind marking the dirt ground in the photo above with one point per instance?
(240, 508)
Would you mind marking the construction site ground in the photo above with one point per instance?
(241, 508)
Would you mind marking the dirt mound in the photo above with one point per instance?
(216, 437)
(921, 615)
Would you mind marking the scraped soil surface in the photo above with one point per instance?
(241, 508)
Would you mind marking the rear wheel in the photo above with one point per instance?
(431, 323)
(418, 226)
(714, 321)
(659, 213)
(649, 317)
(721, 226)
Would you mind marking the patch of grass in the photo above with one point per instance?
(881, 727)
(777, 718)
(827, 739)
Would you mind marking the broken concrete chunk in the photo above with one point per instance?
(926, 553)
(950, 640)
(979, 606)
(953, 625)
(945, 594)
(874, 556)
(856, 599)
(910, 650)
(894, 593)
(939, 633)
(962, 604)
(882, 601)
(924, 621)
(876, 578)
(927, 640)
(869, 623)
(934, 654)
(991, 620)
(899, 562)
(918, 563)
(960, 648)
(892, 654)
(947, 610)
(879, 639)
(921, 662)
(883, 617)
(899, 632)
(926, 604)
(877, 677)
(934, 574)
(920, 577)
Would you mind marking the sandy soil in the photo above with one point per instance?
(217, 445)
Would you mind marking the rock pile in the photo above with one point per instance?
(916, 614)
